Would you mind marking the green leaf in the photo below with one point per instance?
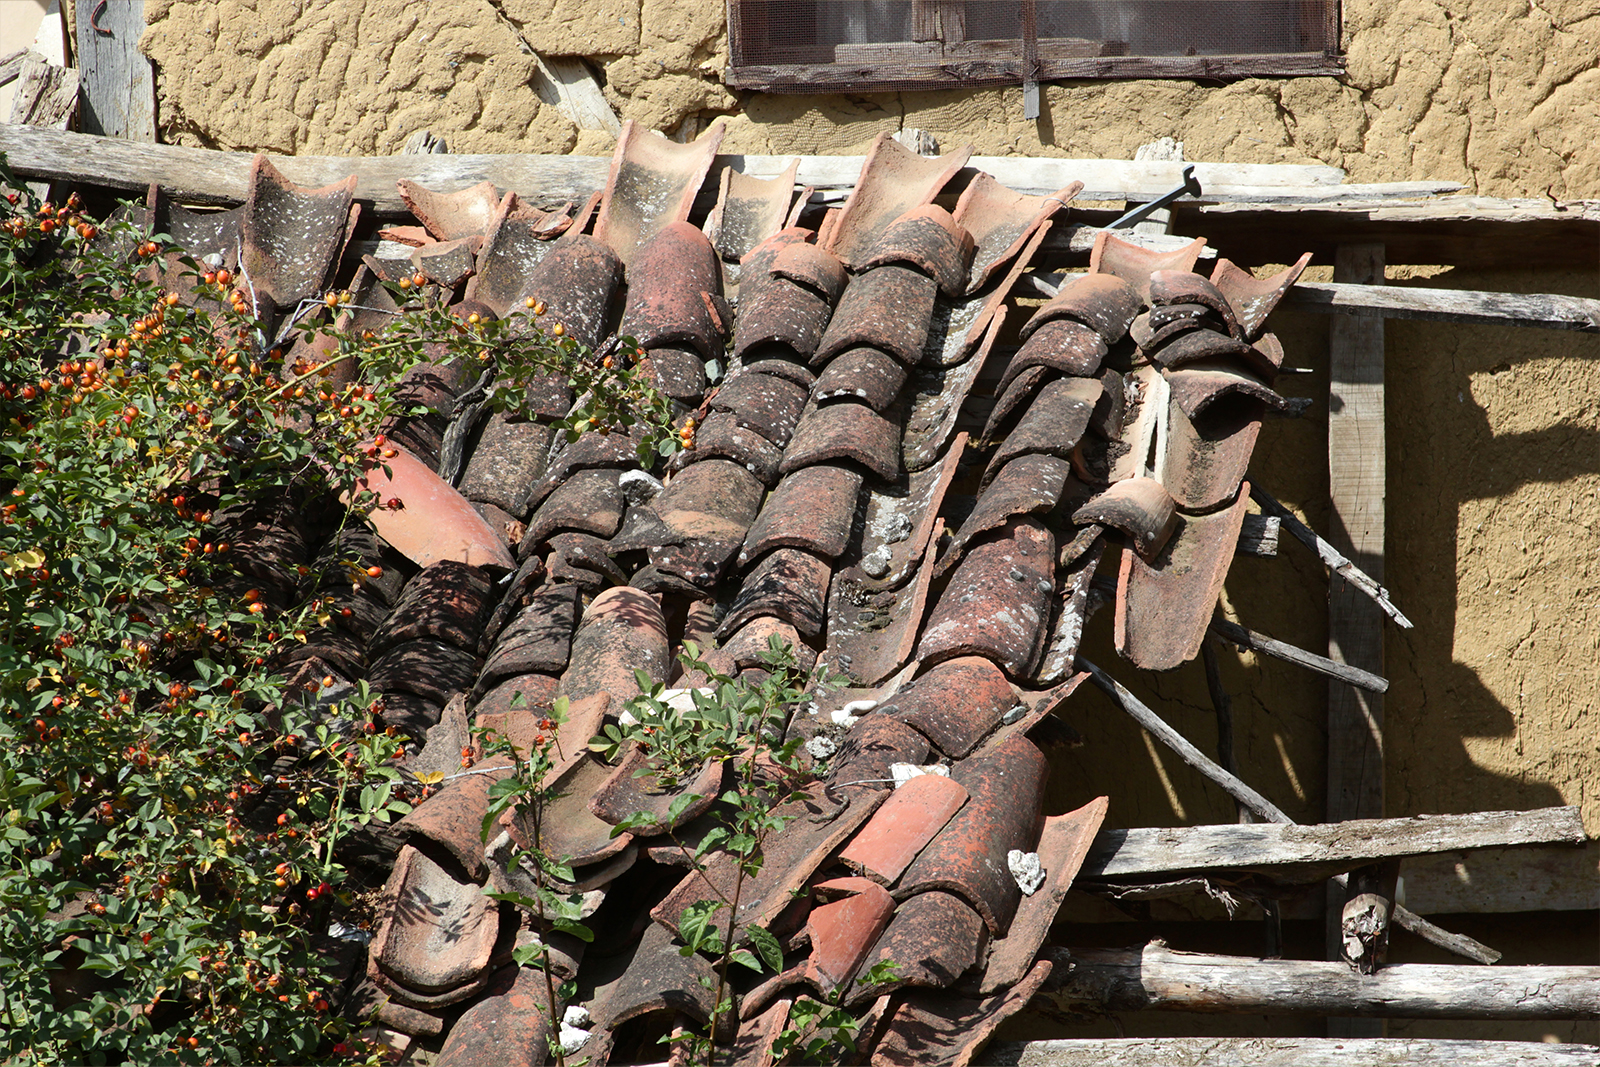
(694, 925)
(767, 947)
(573, 927)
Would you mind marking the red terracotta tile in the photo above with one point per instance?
(622, 631)
(435, 522)
(447, 263)
(934, 938)
(447, 600)
(955, 704)
(902, 825)
(969, 856)
(1103, 302)
(1139, 507)
(776, 312)
(1186, 287)
(507, 1028)
(539, 640)
(787, 583)
(1063, 844)
(1001, 221)
(929, 1030)
(1052, 424)
(438, 933)
(1156, 327)
(672, 275)
(452, 819)
(843, 429)
(1063, 345)
(712, 498)
(1134, 264)
(292, 237)
(1015, 397)
(1164, 607)
(929, 239)
(577, 281)
(412, 716)
(757, 1035)
(652, 184)
(1031, 483)
(864, 373)
(506, 460)
(658, 979)
(1207, 459)
(869, 748)
(790, 370)
(427, 667)
(592, 451)
(628, 792)
(1208, 345)
(720, 436)
(812, 508)
(899, 518)
(843, 932)
(749, 210)
(448, 216)
(767, 404)
(516, 696)
(1253, 299)
(746, 647)
(893, 180)
(888, 308)
(813, 267)
(996, 602)
(1196, 386)
(512, 248)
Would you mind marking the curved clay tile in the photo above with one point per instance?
(748, 646)
(936, 398)
(864, 373)
(812, 508)
(292, 237)
(577, 281)
(449, 216)
(899, 518)
(929, 239)
(1053, 423)
(713, 499)
(1063, 345)
(813, 267)
(843, 931)
(584, 560)
(870, 748)
(934, 938)
(678, 371)
(955, 705)
(1032, 483)
(788, 369)
(659, 979)
(439, 934)
(568, 827)
(1103, 302)
(845, 430)
(893, 181)
(969, 856)
(622, 631)
(1076, 565)
(506, 461)
(872, 629)
(1206, 459)
(591, 451)
(1157, 326)
(452, 819)
(888, 308)
(447, 600)
(1164, 607)
(1140, 507)
(652, 184)
(1002, 221)
(429, 668)
(912, 816)
(538, 640)
(1015, 396)
(950, 1028)
(764, 403)
(749, 210)
(1253, 298)
(1134, 263)
(776, 311)
(722, 436)
(789, 584)
(630, 789)
(996, 603)
(508, 1026)
(1186, 287)
(435, 522)
(514, 241)
(588, 500)
(669, 281)
(1196, 386)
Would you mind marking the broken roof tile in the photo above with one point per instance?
(673, 284)
(568, 826)
(435, 522)
(1252, 298)
(1164, 607)
(652, 184)
(865, 373)
(969, 857)
(888, 308)
(936, 399)
(788, 583)
(934, 938)
(843, 932)
(1030, 483)
(448, 216)
(1205, 344)
(947, 1031)
(843, 429)
(749, 210)
(584, 560)
(446, 263)
(507, 1028)
(1187, 287)
(1196, 386)
(1014, 397)
(1071, 608)
(811, 266)
(1139, 507)
(955, 705)
(452, 818)
(1103, 302)
(659, 978)
(893, 180)
(588, 500)
(631, 789)
(439, 932)
(765, 403)
(292, 236)
(918, 809)
(512, 247)
(899, 518)
(577, 281)
(1001, 221)
(872, 629)
(1134, 263)
(1063, 345)
(622, 631)
(996, 602)
(929, 239)
(1206, 458)
(1052, 424)
(812, 508)
(1063, 844)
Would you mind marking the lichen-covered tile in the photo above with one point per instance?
(996, 601)
(955, 705)
(893, 181)
(1062, 345)
(508, 1028)
(1206, 458)
(899, 518)
(1032, 483)
(506, 460)
(721, 436)
(674, 289)
(934, 938)
(589, 501)
(1103, 302)
(1052, 424)
(870, 747)
(888, 308)
(622, 631)
(1252, 298)
(928, 238)
(575, 284)
(929, 1030)
(787, 583)
(812, 508)
(1001, 221)
(1140, 507)
(1186, 287)
(864, 373)
(652, 184)
(843, 429)
(1197, 386)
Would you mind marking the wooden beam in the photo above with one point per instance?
(1545, 310)
(1335, 560)
(1320, 849)
(1500, 880)
(46, 95)
(1158, 978)
(1288, 1052)
(118, 85)
(1342, 672)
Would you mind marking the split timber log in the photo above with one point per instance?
(1550, 311)
(1288, 1052)
(1332, 557)
(1158, 978)
(1343, 672)
(198, 175)
(1305, 854)
(1460, 944)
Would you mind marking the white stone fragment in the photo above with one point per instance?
(639, 487)
(1026, 869)
(577, 1016)
(822, 747)
(857, 706)
(844, 718)
(572, 1039)
(904, 772)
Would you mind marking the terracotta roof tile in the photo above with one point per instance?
(512, 248)
(888, 308)
(627, 792)
(812, 266)
(292, 236)
(410, 714)
(659, 979)
(812, 508)
(872, 627)
(788, 369)
(843, 429)
(928, 238)
(1186, 287)
(588, 500)
(507, 458)
(507, 1028)
(899, 518)
(1196, 386)
(1103, 302)
(436, 522)
(577, 280)
(1134, 264)
(1253, 299)
(1014, 397)
(865, 373)
(652, 184)
(844, 931)
(452, 818)
(1031, 483)
(427, 667)
(1063, 345)
(746, 645)
(946, 1031)
(447, 216)
(955, 705)
(1206, 459)
(749, 210)
(673, 284)
(622, 631)
(447, 600)
(678, 371)
(711, 498)
(1052, 424)
(789, 584)
(1071, 609)
(1139, 507)
(934, 938)
(869, 747)
(584, 560)
(1164, 607)
(438, 934)
(447, 263)
(893, 180)
(1001, 221)
(902, 825)
(996, 602)
(936, 399)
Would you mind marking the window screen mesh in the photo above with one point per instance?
(825, 45)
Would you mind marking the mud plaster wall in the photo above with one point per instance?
(1494, 484)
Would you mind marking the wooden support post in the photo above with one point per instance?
(118, 85)
(1356, 461)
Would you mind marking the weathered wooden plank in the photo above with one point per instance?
(1121, 854)
(1342, 672)
(11, 65)
(1288, 1052)
(568, 84)
(1335, 560)
(1498, 880)
(1158, 978)
(1545, 310)
(46, 95)
(118, 84)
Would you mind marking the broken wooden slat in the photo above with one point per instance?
(1239, 635)
(1460, 944)
(568, 84)
(1288, 1052)
(1549, 311)
(119, 90)
(1122, 854)
(1259, 536)
(46, 95)
(11, 65)
(1159, 978)
(1331, 557)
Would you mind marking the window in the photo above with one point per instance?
(832, 45)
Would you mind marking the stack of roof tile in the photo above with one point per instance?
(828, 500)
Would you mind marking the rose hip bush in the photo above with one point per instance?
(171, 814)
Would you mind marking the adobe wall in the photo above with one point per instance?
(1494, 466)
